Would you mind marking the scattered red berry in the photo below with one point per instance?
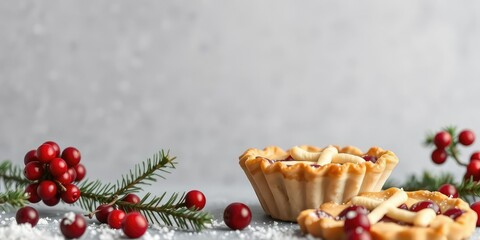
(134, 225)
(31, 190)
(57, 167)
(475, 156)
(55, 147)
(354, 219)
(72, 156)
(27, 215)
(80, 172)
(466, 137)
(195, 199)
(31, 156)
(71, 193)
(73, 225)
(47, 189)
(237, 216)
(476, 207)
(442, 139)
(33, 171)
(439, 156)
(448, 190)
(115, 218)
(425, 204)
(102, 212)
(453, 213)
(45, 153)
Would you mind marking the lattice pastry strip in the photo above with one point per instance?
(328, 155)
(389, 208)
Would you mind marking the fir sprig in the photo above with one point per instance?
(12, 175)
(12, 199)
(170, 212)
(468, 190)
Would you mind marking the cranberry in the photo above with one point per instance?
(449, 190)
(134, 225)
(476, 207)
(72, 156)
(65, 178)
(57, 167)
(31, 190)
(359, 209)
(439, 156)
(71, 193)
(475, 155)
(354, 219)
(80, 172)
(453, 213)
(73, 225)
(473, 170)
(52, 201)
(55, 147)
(425, 204)
(46, 189)
(323, 214)
(289, 158)
(129, 198)
(31, 156)
(195, 199)
(403, 206)
(73, 173)
(33, 171)
(466, 137)
(27, 215)
(370, 158)
(102, 212)
(237, 216)
(115, 218)
(358, 234)
(442, 139)
(45, 153)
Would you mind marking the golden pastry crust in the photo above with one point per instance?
(442, 227)
(284, 190)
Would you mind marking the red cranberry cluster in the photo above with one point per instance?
(53, 174)
(444, 140)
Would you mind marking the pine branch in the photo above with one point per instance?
(144, 174)
(12, 199)
(169, 213)
(12, 175)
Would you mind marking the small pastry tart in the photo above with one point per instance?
(395, 214)
(304, 177)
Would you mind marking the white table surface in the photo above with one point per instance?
(261, 227)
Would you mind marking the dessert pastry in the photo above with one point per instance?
(393, 214)
(303, 177)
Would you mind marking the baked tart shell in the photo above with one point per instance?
(285, 190)
(442, 227)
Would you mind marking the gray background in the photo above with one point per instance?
(121, 80)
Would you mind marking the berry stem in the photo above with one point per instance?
(453, 151)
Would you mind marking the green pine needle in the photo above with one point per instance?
(12, 199)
